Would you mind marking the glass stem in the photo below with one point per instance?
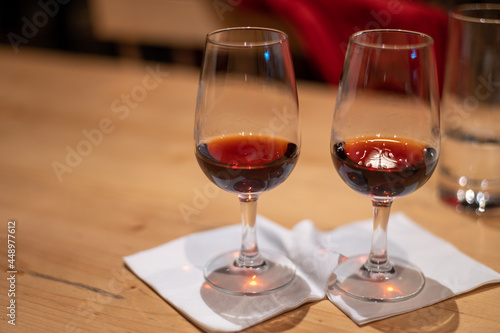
(378, 261)
(249, 253)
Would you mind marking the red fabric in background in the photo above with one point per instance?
(323, 27)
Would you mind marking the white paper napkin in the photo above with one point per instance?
(448, 271)
(175, 271)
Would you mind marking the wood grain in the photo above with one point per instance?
(124, 192)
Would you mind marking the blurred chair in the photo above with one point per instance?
(323, 27)
(319, 30)
(180, 25)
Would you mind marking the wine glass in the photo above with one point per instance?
(385, 144)
(247, 142)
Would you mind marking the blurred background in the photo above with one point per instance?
(173, 31)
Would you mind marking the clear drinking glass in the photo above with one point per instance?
(385, 144)
(469, 168)
(247, 142)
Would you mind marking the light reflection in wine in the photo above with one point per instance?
(253, 282)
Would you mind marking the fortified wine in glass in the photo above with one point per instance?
(247, 142)
(385, 144)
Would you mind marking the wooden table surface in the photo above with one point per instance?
(97, 163)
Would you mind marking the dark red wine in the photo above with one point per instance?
(247, 163)
(381, 167)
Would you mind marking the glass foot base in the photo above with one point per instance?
(405, 281)
(223, 274)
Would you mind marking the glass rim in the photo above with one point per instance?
(426, 39)
(458, 12)
(283, 37)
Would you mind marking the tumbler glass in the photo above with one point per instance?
(469, 167)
